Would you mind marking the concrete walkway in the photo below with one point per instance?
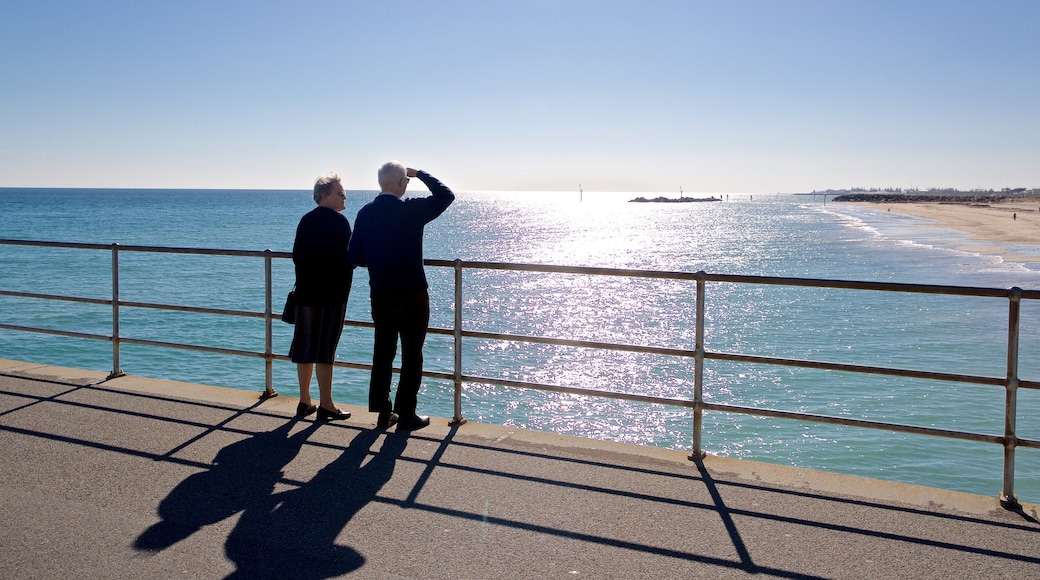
(139, 478)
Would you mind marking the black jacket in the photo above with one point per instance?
(323, 272)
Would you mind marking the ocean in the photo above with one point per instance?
(761, 235)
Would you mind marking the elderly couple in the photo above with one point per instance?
(387, 239)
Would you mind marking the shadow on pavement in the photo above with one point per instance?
(289, 534)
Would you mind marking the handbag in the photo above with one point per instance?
(289, 312)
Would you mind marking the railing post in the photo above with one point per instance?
(698, 373)
(117, 370)
(268, 342)
(1007, 496)
(458, 419)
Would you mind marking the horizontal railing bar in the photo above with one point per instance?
(227, 351)
(104, 301)
(204, 251)
(846, 421)
(68, 333)
(579, 343)
(286, 358)
(855, 422)
(1033, 443)
(539, 386)
(548, 268)
(368, 367)
(576, 391)
(348, 322)
(195, 309)
(173, 307)
(781, 281)
(964, 435)
(860, 285)
(148, 305)
(167, 307)
(768, 280)
(431, 374)
(163, 344)
(46, 244)
(853, 368)
(801, 363)
(138, 341)
(534, 386)
(194, 347)
(221, 311)
(153, 249)
(347, 365)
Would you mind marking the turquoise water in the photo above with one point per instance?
(765, 235)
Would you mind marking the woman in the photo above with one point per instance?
(323, 277)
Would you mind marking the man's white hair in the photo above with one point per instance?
(390, 173)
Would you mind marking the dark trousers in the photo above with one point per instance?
(405, 317)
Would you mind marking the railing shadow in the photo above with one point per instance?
(293, 533)
(716, 491)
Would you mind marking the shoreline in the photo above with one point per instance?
(999, 227)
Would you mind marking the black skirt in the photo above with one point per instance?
(317, 333)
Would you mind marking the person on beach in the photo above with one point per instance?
(323, 279)
(388, 234)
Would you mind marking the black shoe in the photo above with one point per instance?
(302, 410)
(386, 420)
(336, 415)
(413, 422)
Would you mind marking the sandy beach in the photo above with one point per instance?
(1001, 227)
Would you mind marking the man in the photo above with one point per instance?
(387, 239)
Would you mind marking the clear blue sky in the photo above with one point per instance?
(642, 95)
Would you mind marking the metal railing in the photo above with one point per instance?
(1011, 382)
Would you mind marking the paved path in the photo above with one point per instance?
(138, 478)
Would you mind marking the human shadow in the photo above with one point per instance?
(242, 479)
(294, 535)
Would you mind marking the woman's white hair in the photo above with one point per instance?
(323, 186)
